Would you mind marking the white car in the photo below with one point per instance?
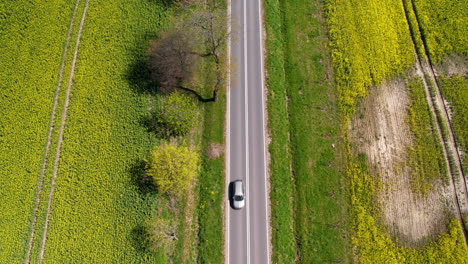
(238, 198)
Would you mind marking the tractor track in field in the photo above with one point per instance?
(62, 129)
(441, 117)
(49, 135)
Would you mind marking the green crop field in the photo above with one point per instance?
(353, 26)
(31, 47)
(370, 43)
(100, 207)
(443, 25)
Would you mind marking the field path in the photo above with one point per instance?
(60, 140)
(424, 69)
(49, 135)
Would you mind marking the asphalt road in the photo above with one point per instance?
(247, 229)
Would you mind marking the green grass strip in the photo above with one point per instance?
(302, 90)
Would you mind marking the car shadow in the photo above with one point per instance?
(231, 195)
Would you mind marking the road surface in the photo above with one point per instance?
(247, 239)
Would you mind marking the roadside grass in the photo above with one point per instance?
(32, 37)
(281, 181)
(301, 90)
(211, 186)
(443, 27)
(425, 156)
(455, 90)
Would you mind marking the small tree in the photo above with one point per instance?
(177, 114)
(172, 168)
(160, 235)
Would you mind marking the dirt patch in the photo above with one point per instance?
(453, 65)
(188, 229)
(215, 150)
(380, 131)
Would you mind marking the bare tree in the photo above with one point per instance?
(174, 55)
(209, 27)
(171, 60)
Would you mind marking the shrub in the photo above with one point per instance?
(160, 235)
(172, 168)
(176, 115)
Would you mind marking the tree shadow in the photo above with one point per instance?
(151, 125)
(139, 78)
(138, 178)
(138, 237)
(164, 3)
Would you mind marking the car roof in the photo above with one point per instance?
(238, 183)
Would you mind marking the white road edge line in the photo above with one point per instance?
(228, 140)
(260, 28)
(246, 109)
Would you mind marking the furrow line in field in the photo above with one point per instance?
(436, 104)
(441, 102)
(60, 140)
(49, 136)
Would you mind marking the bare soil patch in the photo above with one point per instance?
(215, 150)
(380, 131)
(453, 65)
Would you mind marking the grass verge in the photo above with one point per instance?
(303, 113)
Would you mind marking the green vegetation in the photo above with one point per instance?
(282, 217)
(177, 114)
(160, 234)
(370, 43)
(414, 28)
(426, 157)
(211, 185)
(443, 25)
(455, 90)
(99, 206)
(31, 52)
(311, 226)
(172, 168)
(102, 209)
